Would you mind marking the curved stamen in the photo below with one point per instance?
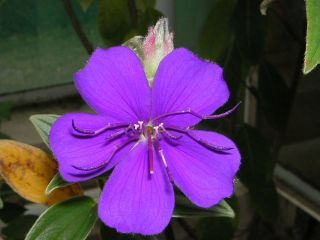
(115, 150)
(166, 133)
(160, 152)
(130, 131)
(201, 141)
(98, 131)
(211, 146)
(198, 115)
(170, 135)
(116, 134)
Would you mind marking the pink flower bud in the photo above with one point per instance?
(157, 44)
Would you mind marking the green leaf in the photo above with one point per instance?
(312, 55)
(18, 228)
(72, 219)
(216, 31)
(85, 4)
(184, 208)
(1, 203)
(43, 123)
(56, 182)
(256, 171)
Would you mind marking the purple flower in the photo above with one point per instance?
(147, 135)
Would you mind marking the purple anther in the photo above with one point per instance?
(115, 150)
(190, 111)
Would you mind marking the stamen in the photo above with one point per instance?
(115, 150)
(211, 146)
(190, 111)
(116, 134)
(201, 141)
(140, 124)
(150, 154)
(160, 151)
(156, 130)
(168, 134)
(98, 131)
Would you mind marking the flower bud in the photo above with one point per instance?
(157, 44)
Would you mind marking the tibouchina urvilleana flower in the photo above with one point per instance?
(145, 132)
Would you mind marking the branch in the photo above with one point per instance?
(77, 27)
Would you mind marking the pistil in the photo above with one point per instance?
(149, 132)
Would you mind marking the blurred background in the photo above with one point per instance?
(261, 46)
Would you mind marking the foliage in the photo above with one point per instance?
(72, 219)
(312, 55)
(42, 123)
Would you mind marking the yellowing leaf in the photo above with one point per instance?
(28, 170)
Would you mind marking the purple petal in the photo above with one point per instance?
(134, 201)
(184, 81)
(203, 175)
(113, 83)
(72, 150)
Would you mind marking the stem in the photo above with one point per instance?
(169, 232)
(77, 27)
(187, 228)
